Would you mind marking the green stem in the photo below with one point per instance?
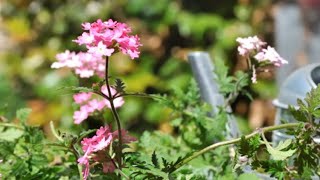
(114, 112)
(233, 141)
(55, 134)
(249, 63)
(80, 171)
(122, 174)
(76, 154)
(11, 125)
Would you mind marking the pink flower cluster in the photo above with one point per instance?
(271, 55)
(96, 149)
(84, 64)
(249, 44)
(88, 104)
(253, 46)
(104, 38)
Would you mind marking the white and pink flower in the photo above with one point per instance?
(263, 57)
(249, 45)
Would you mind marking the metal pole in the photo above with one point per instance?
(203, 71)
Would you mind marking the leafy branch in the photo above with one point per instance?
(233, 141)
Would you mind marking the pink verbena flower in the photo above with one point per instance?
(249, 44)
(263, 57)
(84, 64)
(270, 55)
(97, 147)
(105, 38)
(89, 104)
(101, 39)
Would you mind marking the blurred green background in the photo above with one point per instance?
(33, 32)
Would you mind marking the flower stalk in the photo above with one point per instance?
(11, 125)
(114, 113)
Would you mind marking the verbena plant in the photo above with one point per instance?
(197, 148)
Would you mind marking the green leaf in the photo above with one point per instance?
(297, 114)
(274, 168)
(23, 114)
(81, 89)
(283, 144)
(249, 146)
(11, 134)
(248, 176)
(316, 113)
(280, 155)
(155, 159)
(176, 122)
(119, 85)
(77, 89)
(39, 160)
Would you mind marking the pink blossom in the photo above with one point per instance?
(270, 55)
(101, 39)
(130, 45)
(90, 103)
(84, 64)
(249, 44)
(97, 147)
(67, 59)
(104, 38)
(80, 116)
(85, 38)
(82, 97)
(100, 50)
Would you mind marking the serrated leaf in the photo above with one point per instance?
(297, 114)
(283, 144)
(11, 134)
(249, 146)
(279, 155)
(39, 160)
(23, 114)
(155, 159)
(119, 85)
(316, 113)
(82, 89)
(302, 106)
(77, 89)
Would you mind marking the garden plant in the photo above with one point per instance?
(199, 147)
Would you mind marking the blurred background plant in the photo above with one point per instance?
(33, 32)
